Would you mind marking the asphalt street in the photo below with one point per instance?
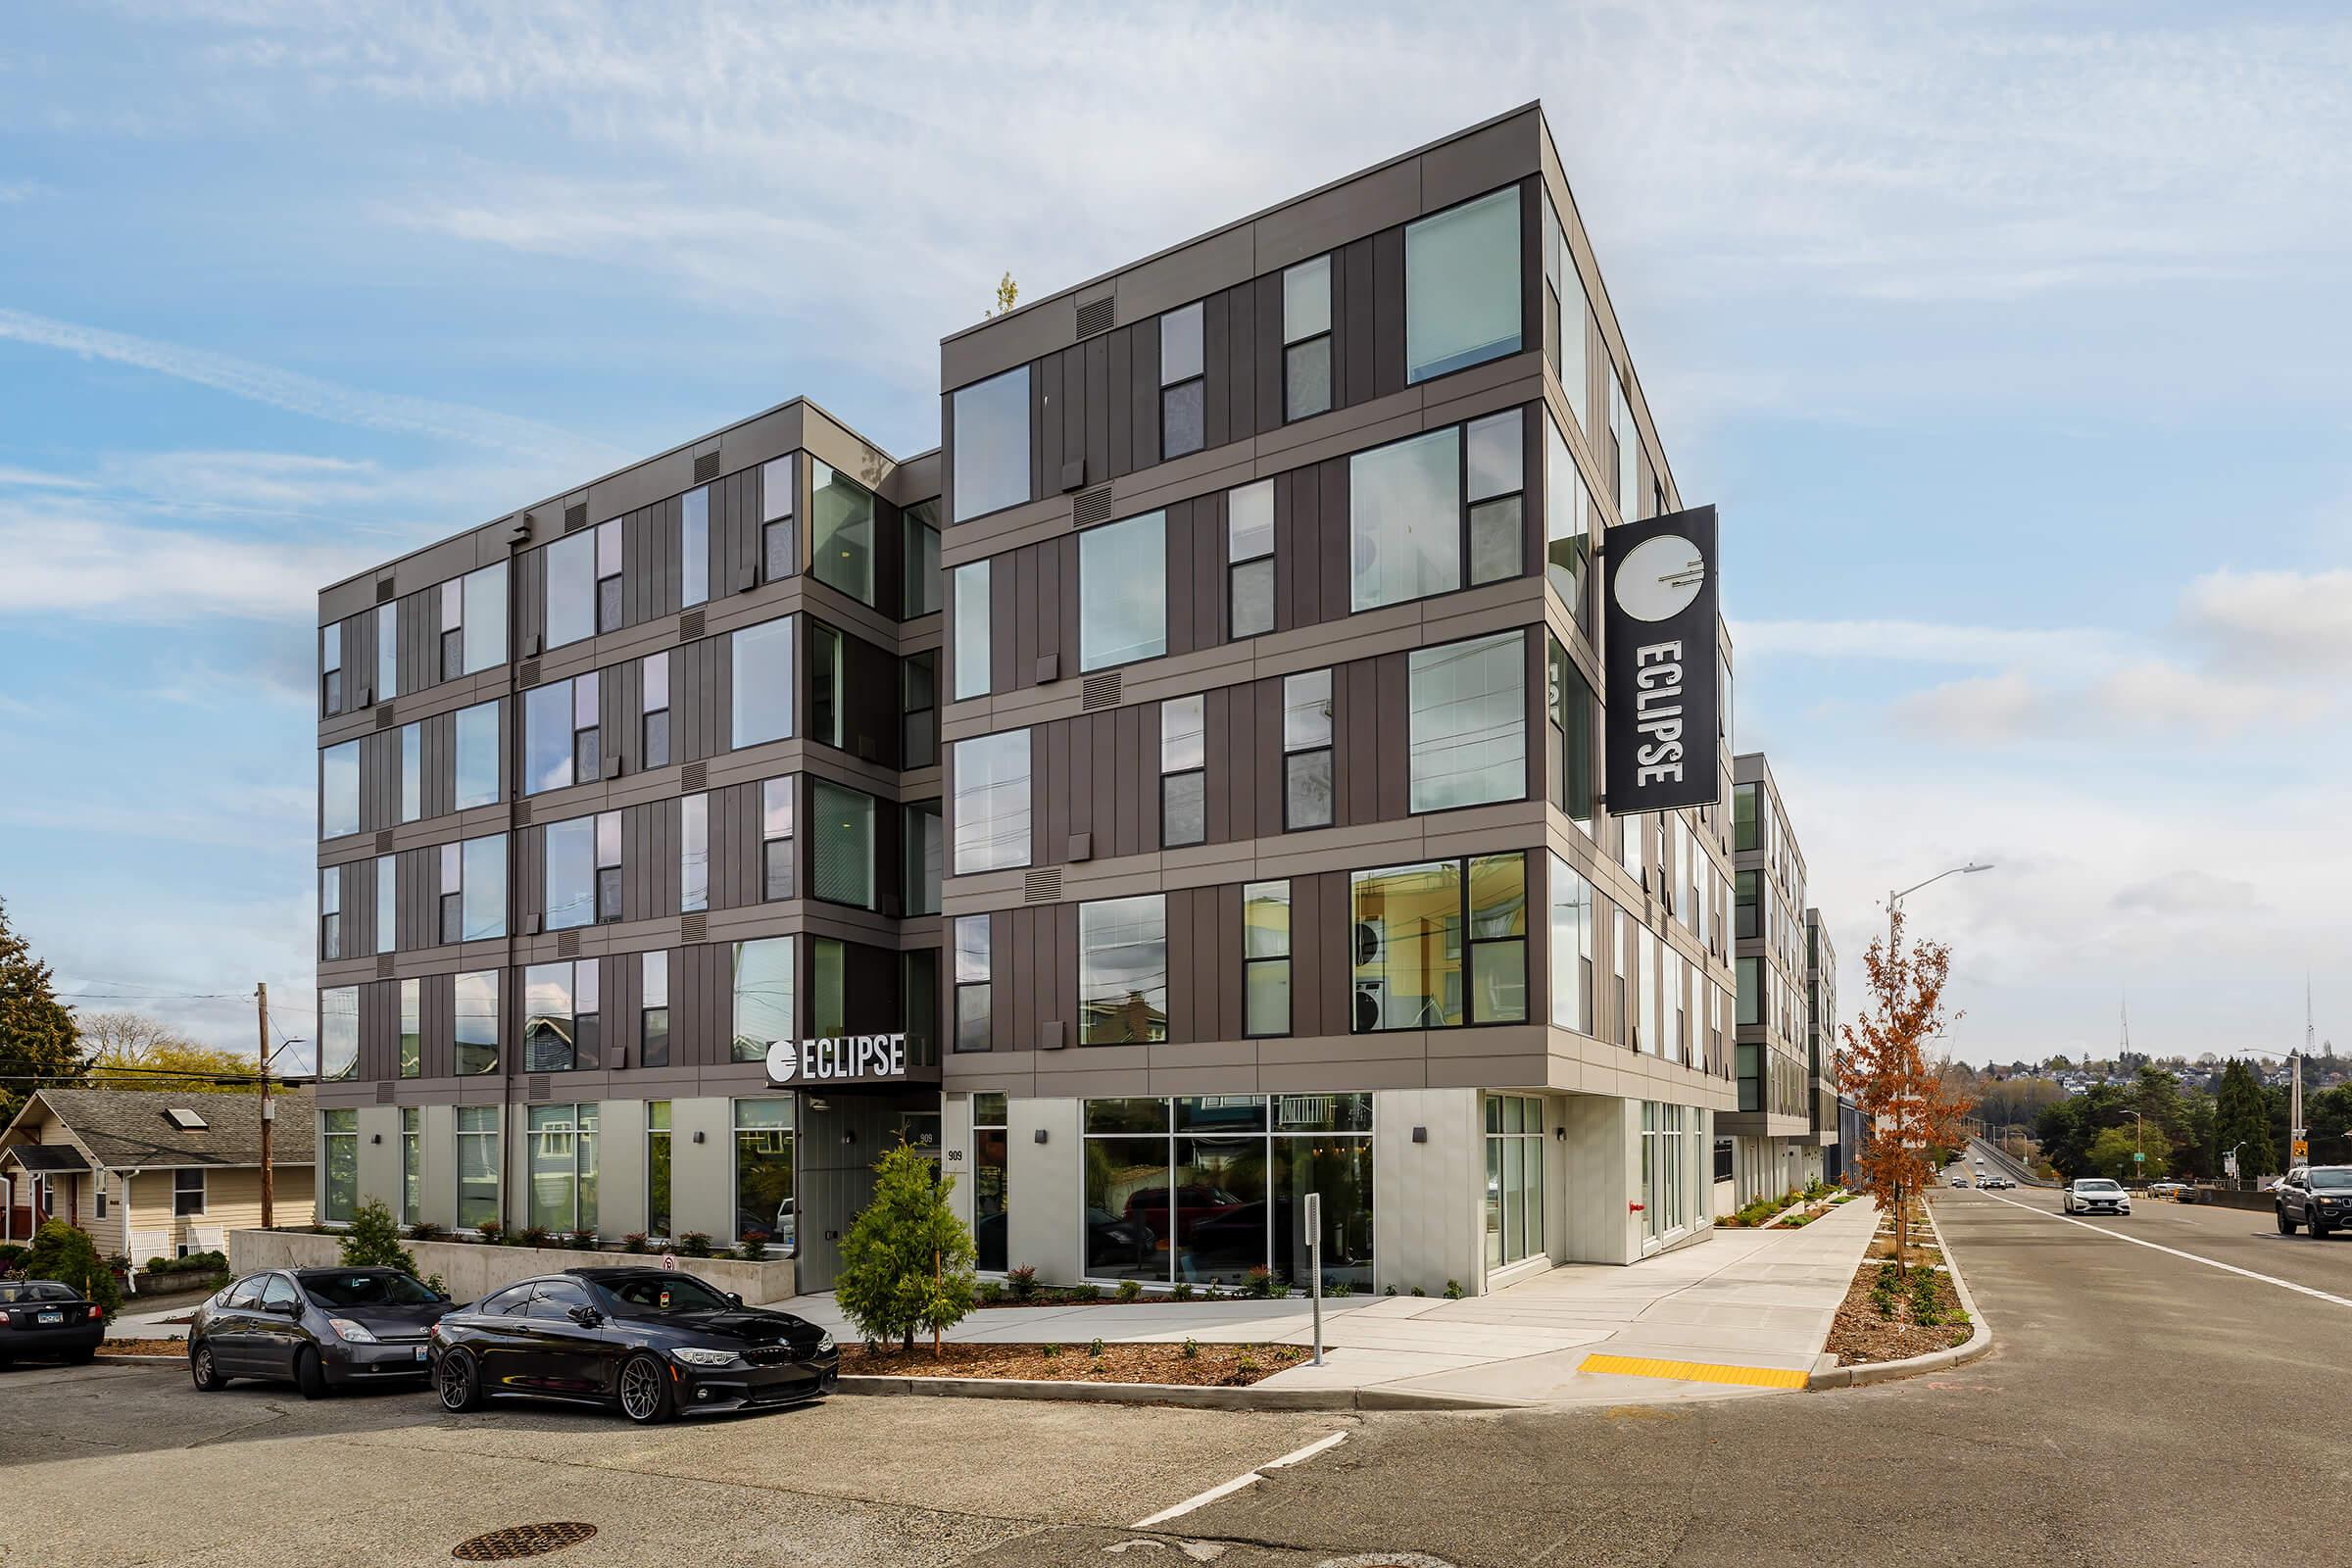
(2143, 1406)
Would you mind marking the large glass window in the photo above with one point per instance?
(1565, 312)
(694, 548)
(561, 1022)
(1573, 935)
(1461, 286)
(1495, 469)
(563, 734)
(1205, 1190)
(842, 851)
(653, 1016)
(1514, 1208)
(1265, 959)
(560, 1149)
(474, 621)
(990, 1169)
(974, 971)
(339, 1032)
(1307, 731)
(990, 452)
(762, 683)
(477, 1165)
(1569, 712)
(1743, 817)
(763, 1173)
(1467, 723)
(1440, 943)
(411, 1028)
(481, 893)
(339, 790)
(970, 620)
(991, 802)
(923, 848)
(1183, 771)
(477, 1022)
(1568, 526)
(918, 593)
(339, 1160)
(840, 532)
(1181, 383)
(571, 589)
(779, 528)
(1123, 970)
(1404, 518)
(1250, 558)
(1751, 990)
(765, 983)
(657, 1167)
(569, 849)
(1672, 1146)
(1306, 338)
(694, 853)
(478, 750)
(1123, 591)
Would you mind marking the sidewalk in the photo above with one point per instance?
(1729, 1317)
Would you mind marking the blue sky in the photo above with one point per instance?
(2008, 338)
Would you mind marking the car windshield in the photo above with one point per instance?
(367, 1289)
(662, 1295)
(2332, 1180)
(36, 1291)
(2096, 1187)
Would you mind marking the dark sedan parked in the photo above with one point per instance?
(655, 1342)
(44, 1319)
(319, 1328)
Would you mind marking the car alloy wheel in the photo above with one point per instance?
(200, 1368)
(453, 1381)
(643, 1397)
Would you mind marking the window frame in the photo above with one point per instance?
(1235, 562)
(1463, 358)
(1110, 909)
(1094, 552)
(982, 962)
(183, 1192)
(1192, 774)
(778, 800)
(1327, 749)
(1251, 962)
(1293, 340)
(1004, 401)
(1462, 939)
(1189, 319)
(1419, 660)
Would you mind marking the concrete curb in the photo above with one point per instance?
(1977, 1344)
(104, 1359)
(1255, 1396)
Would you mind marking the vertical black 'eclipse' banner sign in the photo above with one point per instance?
(1660, 658)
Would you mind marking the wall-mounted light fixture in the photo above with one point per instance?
(1420, 1135)
(698, 1137)
(1040, 1134)
(375, 1137)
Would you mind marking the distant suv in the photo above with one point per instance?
(2094, 1195)
(2320, 1197)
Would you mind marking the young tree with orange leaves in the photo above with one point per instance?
(1908, 1109)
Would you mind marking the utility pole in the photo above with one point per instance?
(260, 997)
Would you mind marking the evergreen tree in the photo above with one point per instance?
(372, 1240)
(38, 1042)
(2241, 1116)
(906, 1262)
(65, 1253)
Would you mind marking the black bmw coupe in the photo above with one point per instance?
(653, 1341)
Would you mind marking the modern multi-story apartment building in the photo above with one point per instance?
(1773, 1145)
(1823, 1045)
(1251, 599)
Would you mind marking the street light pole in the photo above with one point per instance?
(1895, 899)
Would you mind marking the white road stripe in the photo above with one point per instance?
(2154, 1246)
(1226, 1489)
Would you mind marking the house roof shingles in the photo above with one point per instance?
(126, 1129)
(44, 1159)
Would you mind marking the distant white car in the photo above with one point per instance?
(2094, 1195)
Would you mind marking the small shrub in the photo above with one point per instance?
(1391, 1291)
(1191, 1350)
(1022, 1281)
(1095, 1349)
(372, 1241)
(695, 1243)
(1290, 1352)
(1130, 1290)
(492, 1232)
(1453, 1289)
(536, 1236)
(634, 1243)
(1083, 1293)
(752, 1250)
(65, 1253)
(1248, 1363)
(987, 1293)
(1418, 1290)
(580, 1240)
(1048, 1349)
(1338, 1287)
(437, 1283)
(1882, 1296)
(1262, 1281)
(11, 1255)
(424, 1230)
(1184, 1289)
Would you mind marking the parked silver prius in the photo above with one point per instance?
(2095, 1194)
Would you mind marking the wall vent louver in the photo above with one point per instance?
(1042, 886)
(1091, 506)
(383, 966)
(383, 841)
(528, 675)
(1098, 315)
(1099, 691)
(384, 1092)
(567, 945)
(575, 516)
(690, 625)
(705, 468)
(694, 928)
(522, 813)
(385, 592)
(386, 715)
(694, 776)
(540, 1088)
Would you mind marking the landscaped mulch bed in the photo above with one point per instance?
(1231, 1366)
(144, 1348)
(1860, 1335)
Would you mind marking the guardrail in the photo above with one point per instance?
(2008, 1164)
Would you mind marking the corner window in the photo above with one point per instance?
(694, 852)
(411, 1028)
(562, 735)
(1569, 706)
(1183, 771)
(560, 1030)
(776, 870)
(387, 651)
(1306, 338)
(412, 772)
(694, 548)
(1404, 518)
(1307, 730)
(652, 740)
(571, 563)
(970, 626)
(1467, 723)
(338, 1032)
(1440, 943)
(1461, 286)
(991, 444)
(330, 913)
(764, 987)
(479, 747)
(330, 669)
(1572, 940)
(653, 1019)
(779, 508)
(1123, 970)
(974, 969)
(841, 859)
(991, 802)
(1565, 312)
(1249, 556)
(1182, 386)
(1123, 591)
(477, 1165)
(840, 532)
(762, 683)
(339, 790)
(338, 1164)
(1265, 959)
(918, 593)
(1568, 526)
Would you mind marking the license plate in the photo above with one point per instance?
(50, 1317)
(420, 1352)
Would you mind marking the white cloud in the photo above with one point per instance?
(1922, 642)
(2299, 619)
(74, 561)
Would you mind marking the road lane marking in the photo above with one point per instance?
(1247, 1478)
(1643, 1366)
(2158, 1246)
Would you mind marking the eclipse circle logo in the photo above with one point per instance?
(783, 1060)
(1659, 577)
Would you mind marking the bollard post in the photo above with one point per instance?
(1315, 1265)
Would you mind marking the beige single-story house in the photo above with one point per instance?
(153, 1172)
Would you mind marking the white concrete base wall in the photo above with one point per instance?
(1044, 1188)
(1428, 1199)
(470, 1271)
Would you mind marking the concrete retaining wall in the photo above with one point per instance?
(471, 1270)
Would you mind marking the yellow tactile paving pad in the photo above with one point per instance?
(1640, 1367)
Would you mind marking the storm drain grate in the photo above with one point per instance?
(521, 1541)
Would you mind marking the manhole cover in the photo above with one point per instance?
(521, 1541)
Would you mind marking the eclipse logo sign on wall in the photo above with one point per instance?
(837, 1058)
(1661, 661)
